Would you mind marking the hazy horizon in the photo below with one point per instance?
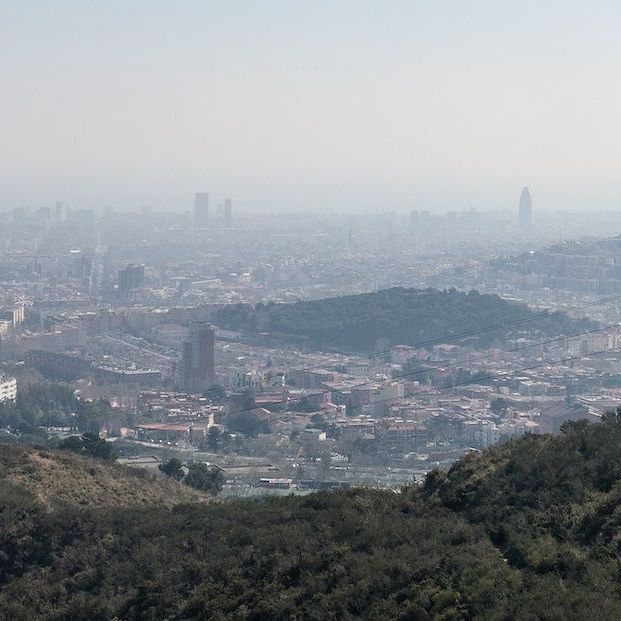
(323, 106)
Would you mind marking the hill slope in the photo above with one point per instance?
(399, 316)
(528, 530)
(56, 479)
(551, 504)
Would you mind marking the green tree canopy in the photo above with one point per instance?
(205, 478)
(172, 468)
(399, 316)
(89, 444)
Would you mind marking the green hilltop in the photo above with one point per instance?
(527, 530)
(364, 322)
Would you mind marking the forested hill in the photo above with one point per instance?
(526, 531)
(371, 321)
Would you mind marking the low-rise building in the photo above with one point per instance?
(553, 417)
(481, 433)
(400, 436)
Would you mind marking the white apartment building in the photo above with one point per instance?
(8, 388)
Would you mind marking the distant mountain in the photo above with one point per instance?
(371, 321)
(527, 530)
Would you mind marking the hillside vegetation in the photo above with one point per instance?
(528, 530)
(48, 404)
(399, 316)
(55, 479)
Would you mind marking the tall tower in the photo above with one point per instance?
(197, 366)
(60, 212)
(131, 277)
(526, 209)
(201, 208)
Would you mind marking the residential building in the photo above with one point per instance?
(197, 364)
(8, 388)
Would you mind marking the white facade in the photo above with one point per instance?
(8, 388)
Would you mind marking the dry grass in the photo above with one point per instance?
(58, 478)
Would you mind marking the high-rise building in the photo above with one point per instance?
(526, 209)
(196, 370)
(60, 212)
(228, 211)
(201, 208)
(132, 277)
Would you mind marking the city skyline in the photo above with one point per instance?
(199, 206)
(322, 107)
(286, 254)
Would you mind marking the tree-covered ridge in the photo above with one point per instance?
(359, 554)
(399, 316)
(528, 530)
(550, 504)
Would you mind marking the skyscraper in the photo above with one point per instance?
(132, 277)
(526, 209)
(60, 212)
(197, 364)
(201, 208)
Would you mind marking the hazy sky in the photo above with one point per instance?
(334, 105)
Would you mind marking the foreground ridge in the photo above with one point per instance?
(531, 525)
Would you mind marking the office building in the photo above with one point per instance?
(132, 277)
(201, 208)
(196, 370)
(60, 212)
